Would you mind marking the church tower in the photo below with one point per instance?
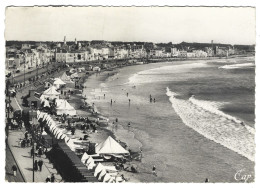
(64, 40)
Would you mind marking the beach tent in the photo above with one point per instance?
(98, 169)
(51, 93)
(110, 146)
(58, 102)
(106, 178)
(84, 157)
(58, 83)
(65, 78)
(101, 174)
(65, 108)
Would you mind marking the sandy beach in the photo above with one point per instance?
(203, 158)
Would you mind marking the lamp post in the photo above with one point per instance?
(34, 135)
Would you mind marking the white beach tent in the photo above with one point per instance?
(65, 108)
(101, 174)
(65, 78)
(58, 83)
(106, 178)
(84, 157)
(110, 146)
(98, 169)
(51, 93)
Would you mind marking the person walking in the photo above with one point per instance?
(154, 170)
(14, 169)
(40, 151)
(26, 135)
(52, 178)
(32, 152)
(35, 165)
(40, 163)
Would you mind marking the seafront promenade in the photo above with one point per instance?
(23, 160)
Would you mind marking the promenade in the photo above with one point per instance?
(24, 160)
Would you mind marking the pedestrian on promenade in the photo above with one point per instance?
(28, 142)
(14, 169)
(154, 170)
(52, 178)
(40, 163)
(32, 152)
(48, 179)
(35, 165)
(207, 180)
(26, 135)
(40, 151)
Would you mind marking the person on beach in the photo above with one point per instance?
(154, 100)
(52, 178)
(48, 179)
(14, 169)
(104, 96)
(129, 101)
(40, 163)
(129, 124)
(127, 94)
(116, 120)
(154, 170)
(111, 102)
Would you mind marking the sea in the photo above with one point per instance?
(192, 119)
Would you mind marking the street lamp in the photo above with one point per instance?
(34, 122)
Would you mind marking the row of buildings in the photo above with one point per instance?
(28, 56)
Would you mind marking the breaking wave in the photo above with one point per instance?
(215, 125)
(237, 66)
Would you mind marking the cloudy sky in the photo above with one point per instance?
(149, 24)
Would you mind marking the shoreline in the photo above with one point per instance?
(103, 129)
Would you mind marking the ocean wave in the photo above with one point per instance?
(237, 66)
(155, 74)
(215, 125)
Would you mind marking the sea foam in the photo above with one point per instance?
(237, 66)
(214, 124)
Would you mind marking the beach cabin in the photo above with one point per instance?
(32, 101)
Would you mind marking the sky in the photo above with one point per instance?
(147, 24)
